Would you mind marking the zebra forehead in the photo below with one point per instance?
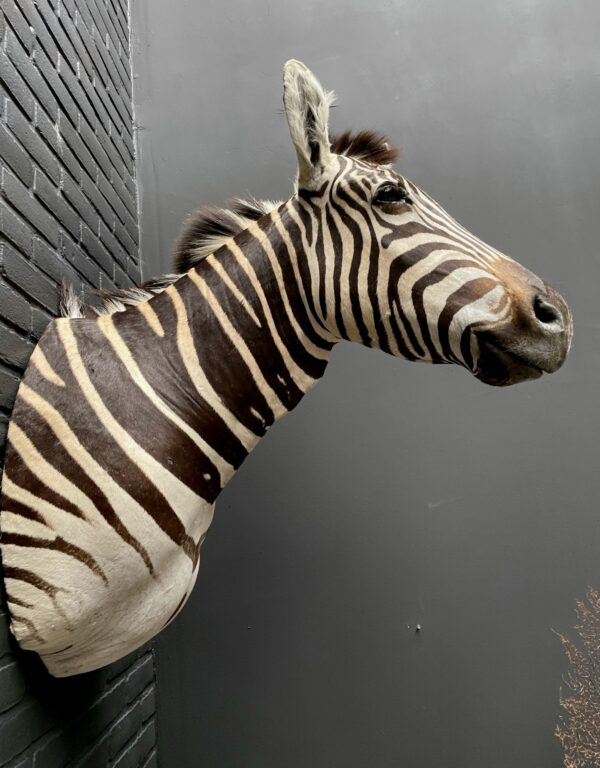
(369, 146)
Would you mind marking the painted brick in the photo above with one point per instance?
(90, 190)
(14, 308)
(68, 211)
(56, 203)
(75, 255)
(66, 20)
(71, 140)
(85, 15)
(32, 142)
(16, 85)
(135, 752)
(112, 244)
(114, 144)
(103, 150)
(115, 201)
(39, 321)
(92, 142)
(106, 42)
(103, 20)
(14, 348)
(115, 9)
(16, 269)
(100, 108)
(30, 73)
(4, 94)
(109, 706)
(102, 48)
(59, 89)
(74, 87)
(31, 210)
(129, 724)
(47, 259)
(9, 383)
(127, 139)
(63, 42)
(24, 761)
(96, 250)
(151, 761)
(134, 272)
(85, 32)
(23, 724)
(12, 685)
(60, 745)
(48, 130)
(16, 156)
(124, 238)
(30, 10)
(121, 147)
(119, 276)
(19, 24)
(130, 189)
(3, 431)
(69, 5)
(79, 202)
(6, 641)
(14, 228)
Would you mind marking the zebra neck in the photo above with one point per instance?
(247, 338)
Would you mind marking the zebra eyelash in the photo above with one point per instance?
(391, 194)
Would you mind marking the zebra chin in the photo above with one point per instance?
(501, 365)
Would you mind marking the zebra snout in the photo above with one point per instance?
(550, 312)
(552, 327)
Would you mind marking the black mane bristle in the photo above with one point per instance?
(248, 207)
(370, 146)
(198, 228)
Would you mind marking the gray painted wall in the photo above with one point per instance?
(395, 494)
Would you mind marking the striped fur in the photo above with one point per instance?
(129, 422)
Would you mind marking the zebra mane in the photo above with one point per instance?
(370, 146)
(208, 228)
(203, 232)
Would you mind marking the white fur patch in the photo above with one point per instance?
(307, 111)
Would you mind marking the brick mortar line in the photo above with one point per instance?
(60, 159)
(95, 71)
(110, 684)
(103, 49)
(80, 761)
(136, 737)
(47, 242)
(59, 188)
(77, 101)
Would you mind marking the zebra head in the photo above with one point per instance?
(393, 270)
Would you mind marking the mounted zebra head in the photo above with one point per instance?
(393, 270)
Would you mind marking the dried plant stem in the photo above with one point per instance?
(579, 726)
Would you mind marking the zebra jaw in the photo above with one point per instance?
(500, 367)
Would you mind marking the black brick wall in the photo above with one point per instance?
(67, 212)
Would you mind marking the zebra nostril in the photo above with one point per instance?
(546, 313)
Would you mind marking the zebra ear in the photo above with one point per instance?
(307, 111)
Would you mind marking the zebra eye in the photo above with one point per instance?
(391, 193)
